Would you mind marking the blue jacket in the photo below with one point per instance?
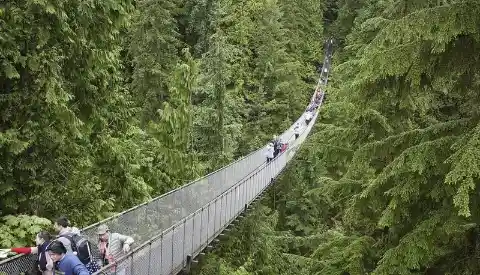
(70, 264)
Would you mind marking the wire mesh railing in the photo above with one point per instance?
(183, 221)
(169, 252)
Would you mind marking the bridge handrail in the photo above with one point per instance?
(135, 261)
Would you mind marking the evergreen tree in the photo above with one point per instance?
(405, 188)
(387, 183)
(217, 123)
(61, 104)
(154, 42)
(171, 145)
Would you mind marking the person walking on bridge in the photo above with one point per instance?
(62, 226)
(277, 146)
(112, 246)
(308, 117)
(296, 130)
(75, 243)
(269, 152)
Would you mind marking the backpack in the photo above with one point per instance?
(44, 262)
(80, 245)
(92, 267)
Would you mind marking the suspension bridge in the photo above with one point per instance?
(170, 231)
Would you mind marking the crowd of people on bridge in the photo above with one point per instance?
(277, 146)
(72, 253)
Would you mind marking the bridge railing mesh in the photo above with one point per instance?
(169, 252)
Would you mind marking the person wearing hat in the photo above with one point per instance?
(112, 246)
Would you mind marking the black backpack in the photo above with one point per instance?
(80, 245)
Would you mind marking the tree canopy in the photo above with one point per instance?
(106, 104)
(387, 182)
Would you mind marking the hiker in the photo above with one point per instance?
(284, 147)
(310, 107)
(112, 245)
(44, 263)
(269, 152)
(68, 263)
(274, 143)
(277, 147)
(318, 96)
(317, 102)
(308, 117)
(75, 243)
(62, 226)
(296, 130)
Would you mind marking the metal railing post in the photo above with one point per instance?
(173, 245)
(149, 257)
(184, 242)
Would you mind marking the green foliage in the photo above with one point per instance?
(60, 104)
(18, 231)
(341, 253)
(153, 48)
(404, 184)
(217, 124)
(387, 184)
(170, 148)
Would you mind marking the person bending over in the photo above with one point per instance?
(68, 263)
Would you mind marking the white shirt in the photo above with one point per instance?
(296, 130)
(269, 152)
(308, 115)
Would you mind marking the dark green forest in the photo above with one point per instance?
(387, 183)
(108, 103)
